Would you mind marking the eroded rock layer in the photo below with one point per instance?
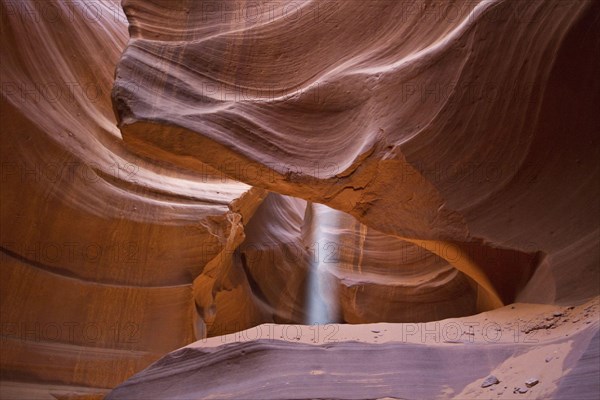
(230, 163)
(397, 361)
(99, 246)
(450, 133)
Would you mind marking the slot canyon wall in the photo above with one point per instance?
(175, 171)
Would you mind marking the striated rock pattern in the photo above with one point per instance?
(177, 170)
(374, 277)
(439, 133)
(398, 361)
(99, 247)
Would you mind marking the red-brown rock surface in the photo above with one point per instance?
(236, 169)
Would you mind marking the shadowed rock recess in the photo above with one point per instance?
(335, 199)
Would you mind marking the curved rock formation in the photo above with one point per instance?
(99, 247)
(373, 124)
(391, 361)
(229, 167)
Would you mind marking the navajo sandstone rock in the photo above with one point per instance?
(172, 170)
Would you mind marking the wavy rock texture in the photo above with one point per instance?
(387, 360)
(99, 247)
(431, 132)
(431, 159)
(372, 276)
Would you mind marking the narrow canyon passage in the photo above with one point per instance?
(291, 200)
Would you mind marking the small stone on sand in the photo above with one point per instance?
(531, 382)
(489, 381)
